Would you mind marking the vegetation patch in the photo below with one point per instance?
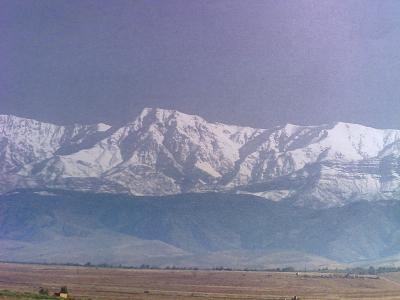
(20, 295)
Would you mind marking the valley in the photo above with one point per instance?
(120, 284)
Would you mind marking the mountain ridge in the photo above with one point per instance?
(205, 230)
(164, 152)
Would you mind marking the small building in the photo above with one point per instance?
(61, 295)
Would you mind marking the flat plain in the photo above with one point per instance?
(113, 283)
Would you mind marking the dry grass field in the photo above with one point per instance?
(102, 283)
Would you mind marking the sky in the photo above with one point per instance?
(248, 62)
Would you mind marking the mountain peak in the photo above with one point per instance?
(13, 118)
(163, 111)
(161, 115)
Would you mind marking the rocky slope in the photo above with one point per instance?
(164, 152)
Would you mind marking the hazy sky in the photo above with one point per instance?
(258, 63)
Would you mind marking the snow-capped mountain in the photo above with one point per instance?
(165, 152)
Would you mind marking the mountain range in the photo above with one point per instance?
(166, 152)
(169, 188)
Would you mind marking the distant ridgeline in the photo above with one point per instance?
(194, 230)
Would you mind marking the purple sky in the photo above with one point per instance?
(257, 63)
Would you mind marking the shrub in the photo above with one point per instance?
(43, 291)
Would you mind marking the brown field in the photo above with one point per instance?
(93, 283)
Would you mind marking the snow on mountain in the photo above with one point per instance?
(103, 127)
(168, 152)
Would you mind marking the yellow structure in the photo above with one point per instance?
(62, 295)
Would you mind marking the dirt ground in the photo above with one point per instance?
(102, 283)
